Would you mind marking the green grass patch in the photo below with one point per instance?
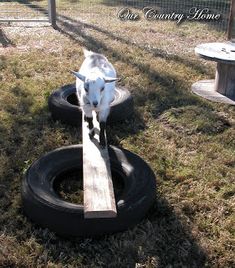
(193, 119)
(189, 142)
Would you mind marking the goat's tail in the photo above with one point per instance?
(87, 53)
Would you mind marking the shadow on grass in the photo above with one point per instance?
(25, 137)
(172, 94)
(172, 239)
(4, 40)
(30, 4)
(71, 24)
(155, 52)
(162, 239)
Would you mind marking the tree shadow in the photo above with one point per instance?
(215, 6)
(162, 236)
(27, 135)
(31, 5)
(4, 40)
(67, 26)
(26, 129)
(155, 52)
(174, 95)
(74, 1)
(172, 237)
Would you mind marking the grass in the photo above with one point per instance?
(188, 141)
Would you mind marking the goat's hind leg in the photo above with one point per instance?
(102, 120)
(102, 134)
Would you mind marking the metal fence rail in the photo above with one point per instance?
(25, 11)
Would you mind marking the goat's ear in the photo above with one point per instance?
(110, 79)
(78, 75)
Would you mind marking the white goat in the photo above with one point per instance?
(95, 85)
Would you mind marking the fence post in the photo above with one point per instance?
(52, 12)
(231, 19)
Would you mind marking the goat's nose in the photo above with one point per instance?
(95, 103)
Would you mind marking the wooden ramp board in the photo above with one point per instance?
(99, 200)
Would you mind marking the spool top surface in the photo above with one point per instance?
(219, 52)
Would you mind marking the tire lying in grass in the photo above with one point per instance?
(64, 106)
(43, 204)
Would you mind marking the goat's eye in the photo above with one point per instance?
(102, 89)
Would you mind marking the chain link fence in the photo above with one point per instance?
(38, 10)
(185, 7)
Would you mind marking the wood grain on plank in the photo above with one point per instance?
(99, 200)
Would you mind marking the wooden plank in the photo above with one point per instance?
(99, 200)
(231, 19)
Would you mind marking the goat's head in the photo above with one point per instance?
(94, 86)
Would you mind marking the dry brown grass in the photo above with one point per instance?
(188, 141)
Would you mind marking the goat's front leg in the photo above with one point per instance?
(89, 119)
(102, 134)
(102, 119)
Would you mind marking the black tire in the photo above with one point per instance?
(44, 206)
(64, 106)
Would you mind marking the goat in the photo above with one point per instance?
(95, 86)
